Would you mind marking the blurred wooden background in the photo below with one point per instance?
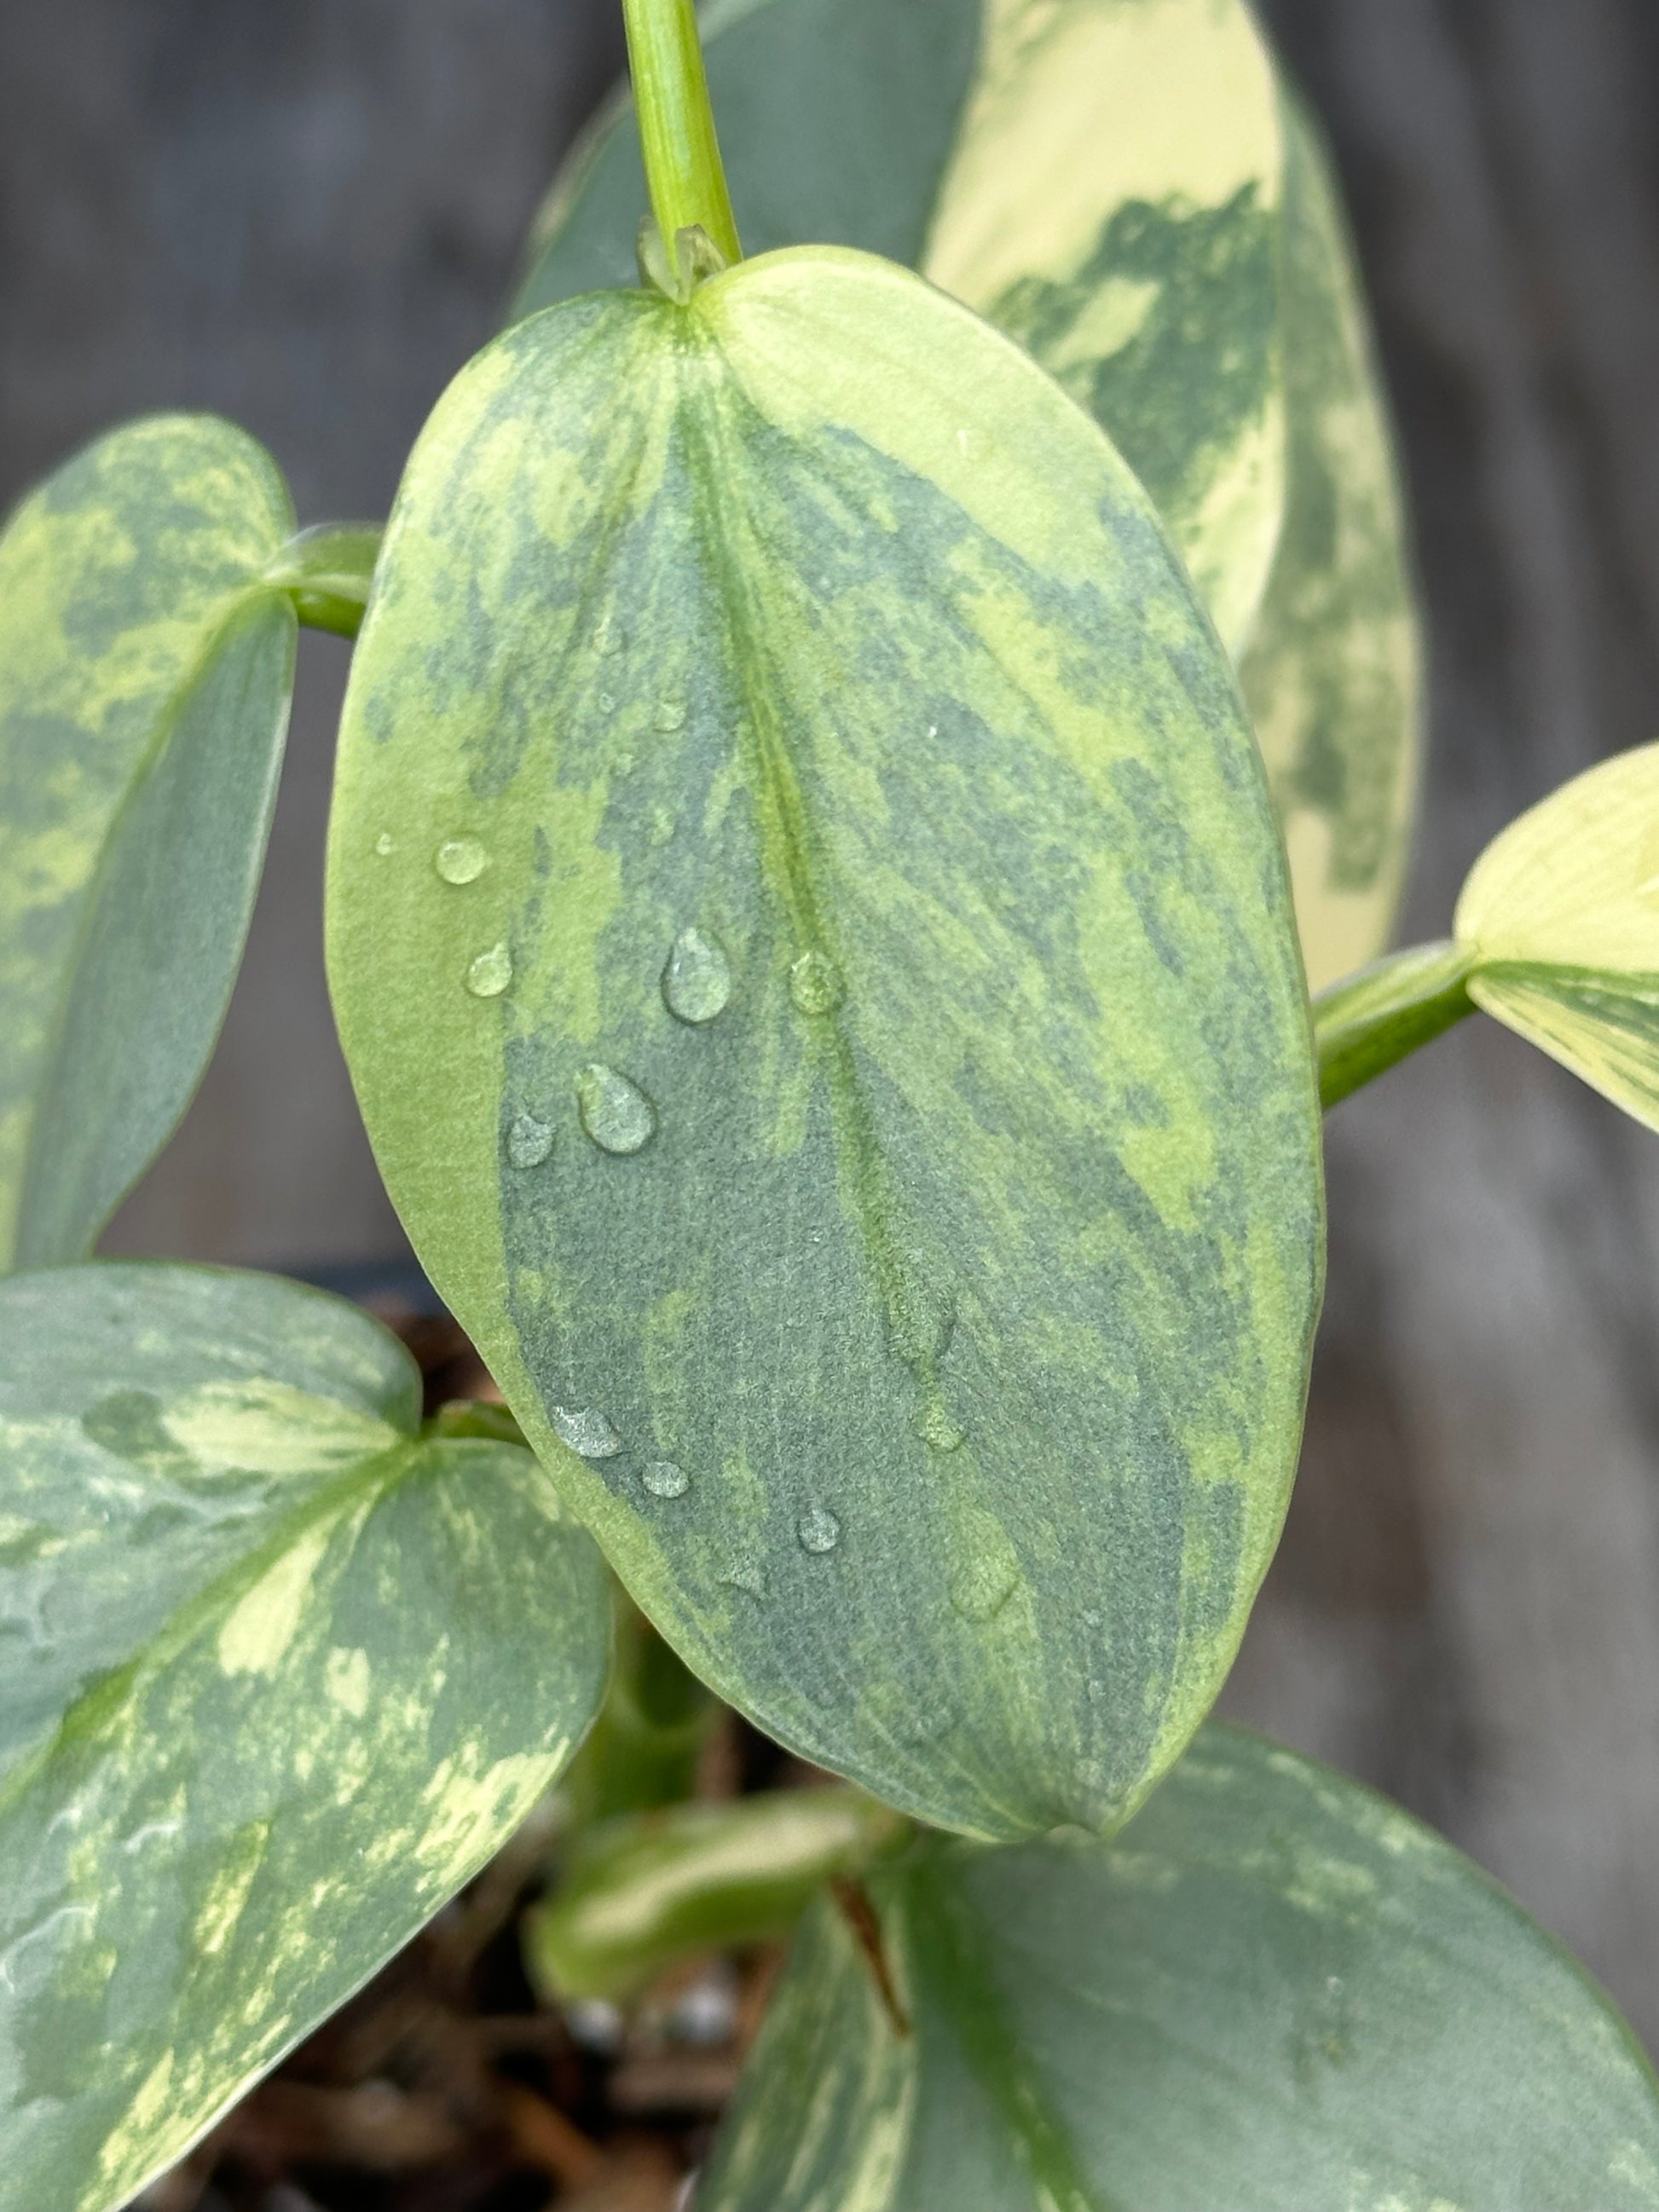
(307, 216)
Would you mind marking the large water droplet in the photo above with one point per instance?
(936, 1428)
(671, 716)
(490, 972)
(816, 984)
(697, 981)
(587, 1431)
(529, 1141)
(663, 1478)
(615, 1112)
(460, 860)
(819, 1530)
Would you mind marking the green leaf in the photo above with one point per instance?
(1561, 917)
(813, 952)
(652, 1887)
(1275, 1992)
(145, 671)
(1123, 185)
(278, 1678)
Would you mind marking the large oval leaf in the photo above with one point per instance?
(1121, 185)
(277, 1677)
(1561, 916)
(145, 673)
(812, 948)
(1275, 1992)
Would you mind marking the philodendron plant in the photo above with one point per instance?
(839, 746)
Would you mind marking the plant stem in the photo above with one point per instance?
(1365, 1025)
(677, 127)
(326, 572)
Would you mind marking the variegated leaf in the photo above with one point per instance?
(145, 671)
(1561, 915)
(278, 1676)
(1121, 185)
(813, 951)
(1273, 1992)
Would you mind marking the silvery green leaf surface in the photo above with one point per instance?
(812, 947)
(276, 1678)
(1124, 186)
(1274, 1991)
(146, 667)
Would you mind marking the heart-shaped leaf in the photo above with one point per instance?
(813, 951)
(145, 673)
(276, 1678)
(1274, 1992)
(1122, 187)
(1561, 916)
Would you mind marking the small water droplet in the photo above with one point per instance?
(962, 440)
(490, 972)
(615, 1112)
(745, 1574)
(1091, 1617)
(626, 763)
(662, 826)
(607, 702)
(609, 638)
(663, 1478)
(671, 716)
(816, 984)
(819, 1530)
(460, 860)
(987, 1572)
(697, 981)
(936, 1428)
(587, 1431)
(385, 844)
(529, 1141)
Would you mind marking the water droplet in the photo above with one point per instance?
(609, 637)
(616, 1113)
(1091, 1617)
(987, 1570)
(745, 1574)
(816, 984)
(697, 981)
(819, 1530)
(671, 716)
(529, 1141)
(936, 1428)
(490, 972)
(607, 702)
(460, 860)
(662, 826)
(384, 844)
(587, 1431)
(626, 763)
(664, 1479)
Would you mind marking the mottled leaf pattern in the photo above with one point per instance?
(813, 951)
(1561, 914)
(1274, 1992)
(1121, 185)
(145, 671)
(277, 1678)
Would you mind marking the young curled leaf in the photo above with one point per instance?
(279, 1676)
(1273, 1990)
(1560, 915)
(813, 950)
(146, 663)
(1125, 187)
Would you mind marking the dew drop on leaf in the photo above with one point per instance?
(697, 981)
(671, 716)
(384, 844)
(609, 638)
(663, 1478)
(816, 984)
(819, 1530)
(615, 1112)
(587, 1431)
(460, 860)
(528, 1141)
(490, 972)
(986, 1573)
